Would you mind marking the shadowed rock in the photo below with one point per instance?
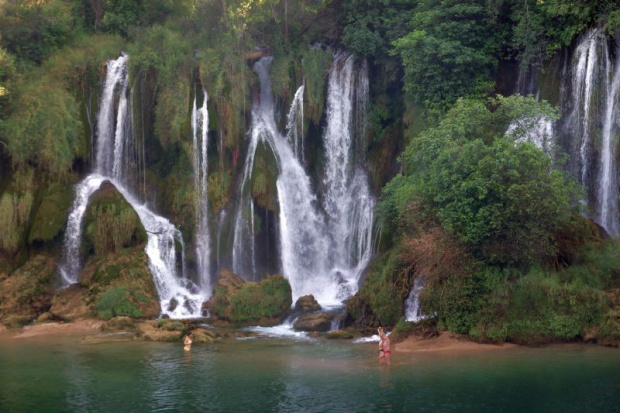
(306, 304)
(318, 322)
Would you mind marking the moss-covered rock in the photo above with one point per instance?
(121, 285)
(339, 335)
(316, 64)
(111, 223)
(155, 330)
(120, 323)
(320, 322)
(51, 214)
(264, 303)
(26, 292)
(264, 177)
(572, 237)
(380, 300)
(72, 303)
(307, 303)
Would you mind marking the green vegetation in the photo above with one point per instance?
(450, 53)
(266, 301)
(499, 198)
(111, 223)
(490, 225)
(116, 302)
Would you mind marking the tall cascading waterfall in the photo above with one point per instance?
(591, 124)
(347, 200)
(608, 177)
(200, 130)
(114, 147)
(320, 254)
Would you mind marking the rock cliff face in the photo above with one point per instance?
(237, 302)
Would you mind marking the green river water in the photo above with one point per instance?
(72, 375)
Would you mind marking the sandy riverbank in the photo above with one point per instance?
(80, 327)
(446, 342)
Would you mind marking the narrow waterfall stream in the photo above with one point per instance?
(114, 146)
(200, 130)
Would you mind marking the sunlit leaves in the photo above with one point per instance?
(44, 127)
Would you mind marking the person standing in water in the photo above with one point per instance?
(381, 350)
(384, 344)
(187, 342)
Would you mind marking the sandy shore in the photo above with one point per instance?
(53, 329)
(446, 342)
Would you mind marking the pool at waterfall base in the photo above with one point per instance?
(74, 374)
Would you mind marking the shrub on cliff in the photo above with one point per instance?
(116, 302)
(265, 302)
(111, 222)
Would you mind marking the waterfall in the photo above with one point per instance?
(320, 253)
(590, 124)
(608, 187)
(413, 313)
(179, 297)
(253, 235)
(584, 78)
(200, 130)
(71, 265)
(540, 132)
(347, 200)
(220, 226)
(295, 124)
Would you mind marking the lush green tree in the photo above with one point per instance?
(500, 198)
(35, 29)
(44, 127)
(543, 27)
(120, 16)
(451, 51)
(370, 26)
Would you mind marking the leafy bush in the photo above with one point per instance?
(251, 302)
(542, 27)
(316, 66)
(380, 300)
(501, 199)
(538, 307)
(35, 31)
(116, 302)
(44, 127)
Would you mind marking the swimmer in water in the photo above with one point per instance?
(187, 342)
(384, 344)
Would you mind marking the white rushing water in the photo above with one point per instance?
(295, 124)
(322, 255)
(179, 297)
(200, 130)
(608, 177)
(540, 132)
(591, 124)
(413, 312)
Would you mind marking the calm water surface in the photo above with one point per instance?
(71, 375)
